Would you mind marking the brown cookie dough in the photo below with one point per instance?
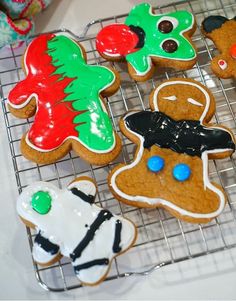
(174, 142)
(222, 32)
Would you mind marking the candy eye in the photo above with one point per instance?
(222, 64)
(181, 172)
(155, 164)
(167, 24)
(169, 46)
(41, 202)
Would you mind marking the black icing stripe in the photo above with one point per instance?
(89, 264)
(46, 245)
(213, 22)
(87, 198)
(116, 245)
(141, 35)
(103, 216)
(183, 136)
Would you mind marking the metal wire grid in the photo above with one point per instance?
(162, 238)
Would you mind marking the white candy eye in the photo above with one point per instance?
(194, 102)
(167, 24)
(172, 97)
(222, 64)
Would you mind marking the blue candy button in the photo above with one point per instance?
(155, 163)
(181, 172)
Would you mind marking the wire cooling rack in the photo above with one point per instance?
(162, 239)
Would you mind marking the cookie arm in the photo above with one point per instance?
(221, 142)
(22, 99)
(44, 251)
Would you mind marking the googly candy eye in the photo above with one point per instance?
(222, 64)
(169, 46)
(167, 24)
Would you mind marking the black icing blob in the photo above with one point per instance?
(140, 33)
(46, 244)
(214, 22)
(184, 136)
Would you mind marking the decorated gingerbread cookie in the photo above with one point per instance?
(66, 97)
(146, 39)
(68, 223)
(222, 32)
(175, 141)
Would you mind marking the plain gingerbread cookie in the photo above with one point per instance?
(66, 96)
(174, 142)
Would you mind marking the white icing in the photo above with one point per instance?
(224, 66)
(68, 221)
(194, 102)
(204, 157)
(173, 97)
(34, 95)
(42, 256)
(173, 20)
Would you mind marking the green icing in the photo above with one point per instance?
(141, 16)
(92, 122)
(41, 202)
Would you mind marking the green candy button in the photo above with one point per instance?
(41, 202)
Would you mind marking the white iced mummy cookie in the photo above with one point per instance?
(70, 224)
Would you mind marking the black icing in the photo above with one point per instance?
(140, 33)
(87, 198)
(214, 22)
(89, 264)
(103, 216)
(116, 245)
(184, 136)
(46, 244)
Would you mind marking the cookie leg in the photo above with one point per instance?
(44, 251)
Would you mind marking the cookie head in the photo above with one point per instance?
(222, 32)
(183, 100)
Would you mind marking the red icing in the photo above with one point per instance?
(116, 40)
(53, 122)
(233, 51)
(221, 62)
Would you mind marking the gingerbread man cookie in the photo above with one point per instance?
(175, 141)
(222, 32)
(65, 95)
(146, 39)
(68, 223)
